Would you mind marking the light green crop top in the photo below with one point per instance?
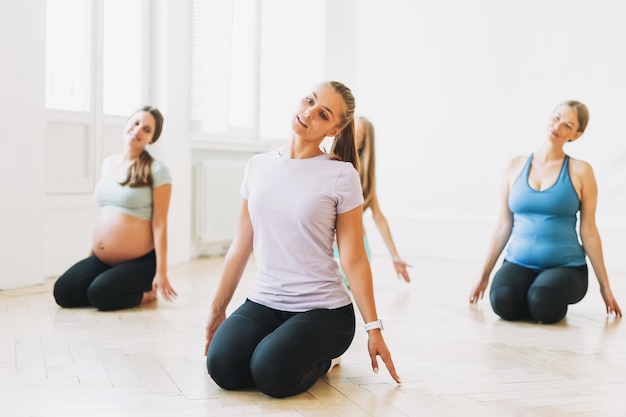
(135, 201)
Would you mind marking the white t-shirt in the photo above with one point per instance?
(293, 205)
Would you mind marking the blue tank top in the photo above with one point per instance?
(544, 223)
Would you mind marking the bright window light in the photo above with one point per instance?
(68, 55)
(123, 77)
(251, 61)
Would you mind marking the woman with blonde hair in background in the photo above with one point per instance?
(365, 137)
(365, 142)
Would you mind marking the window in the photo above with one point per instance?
(68, 55)
(251, 61)
(124, 75)
(73, 52)
(97, 55)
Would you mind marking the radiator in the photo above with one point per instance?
(217, 199)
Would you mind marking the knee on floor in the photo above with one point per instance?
(60, 297)
(227, 372)
(269, 378)
(508, 303)
(103, 300)
(546, 305)
(68, 297)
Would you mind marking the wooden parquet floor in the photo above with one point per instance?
(454, 359)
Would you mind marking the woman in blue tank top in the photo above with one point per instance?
(544, 268)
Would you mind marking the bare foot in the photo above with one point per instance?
(149, 296)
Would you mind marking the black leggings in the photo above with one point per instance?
(280, 353)
(91, 282)
(519, 293)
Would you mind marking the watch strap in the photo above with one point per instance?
(378, 324)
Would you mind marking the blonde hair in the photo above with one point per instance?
(140, 172)
(367, 162)
(344, 145)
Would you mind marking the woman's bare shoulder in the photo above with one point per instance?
(580, 167)
(579, 163)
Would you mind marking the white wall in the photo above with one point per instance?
(171, 34)
(341, 38)
(22, 142)
(455, 88)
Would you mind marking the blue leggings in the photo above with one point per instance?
(281, 353)
(93, 283)
(519, 293)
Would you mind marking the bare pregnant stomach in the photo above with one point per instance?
(119, 237)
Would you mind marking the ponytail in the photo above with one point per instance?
(344, 145)
(140, 172)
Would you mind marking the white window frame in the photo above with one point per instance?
(234, 138)
(198, 127)
(94, 120)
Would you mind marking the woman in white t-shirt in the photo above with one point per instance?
(298, 315)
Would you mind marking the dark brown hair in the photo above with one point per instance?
(140, 172)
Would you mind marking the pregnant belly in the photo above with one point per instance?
(544, 252)
(119, 237)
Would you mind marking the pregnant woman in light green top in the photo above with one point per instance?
(127, 265)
